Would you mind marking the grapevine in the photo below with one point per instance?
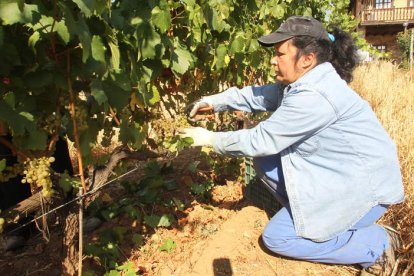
(119, 59)
(37, 173)
(127, 56)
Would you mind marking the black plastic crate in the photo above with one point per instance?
(256, 191)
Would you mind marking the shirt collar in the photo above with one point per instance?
(313, 75)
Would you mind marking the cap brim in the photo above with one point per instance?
(273, 38)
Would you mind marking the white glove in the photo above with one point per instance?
(200, 136)
(201, 105)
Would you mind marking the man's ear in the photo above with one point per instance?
(308, 60)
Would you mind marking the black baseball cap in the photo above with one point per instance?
(295, 26)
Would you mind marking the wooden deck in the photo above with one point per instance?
(387, 16)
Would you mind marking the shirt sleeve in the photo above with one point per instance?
(301, 114)
(249, 98)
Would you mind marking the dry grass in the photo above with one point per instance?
(390, 92)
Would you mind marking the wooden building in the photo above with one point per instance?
(381, 20)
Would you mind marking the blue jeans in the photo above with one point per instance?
(362, 244)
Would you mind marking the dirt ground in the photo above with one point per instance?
(228, 242)
(219, 236)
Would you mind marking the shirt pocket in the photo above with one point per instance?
(307, 147)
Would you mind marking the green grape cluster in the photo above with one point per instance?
(51, 122)
(1, 225)
(37, 173)
(107, 136)
(81, 118)
(2, 221)
(11, 172)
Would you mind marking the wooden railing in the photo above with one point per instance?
(388, 15)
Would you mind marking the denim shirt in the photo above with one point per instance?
(337, 160)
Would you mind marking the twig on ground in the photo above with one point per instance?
(407, 270)
(122, 252)
(395, 268)
(390, 229)
(40, 269)
(271, 265)
(408, 247)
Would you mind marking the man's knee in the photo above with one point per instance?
(276, 241)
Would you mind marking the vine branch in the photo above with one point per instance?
(55, 134)
(13, 149)
(113, 114)
(75, 125)
(80, 162)
(52, 35)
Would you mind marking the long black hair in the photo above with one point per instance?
(341, 53)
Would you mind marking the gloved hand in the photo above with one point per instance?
(198, 106)
(200, 136)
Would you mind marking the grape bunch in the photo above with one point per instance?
(37, 173)
(11, 172)
(51, 122)
(107, 136)
(2, 221)
(1, 225)
(81, 118)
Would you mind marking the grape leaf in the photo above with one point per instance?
(278, 10)
(10, 13)
(113, 273)
(181, 60)
(33, 39)
(153, 95)
(161, 18)
(115, 55)
(38, 79)
(221, 52)
(98, 49)
(170, 185)
(84, 7)
(66, 182)
(128, 269)
(152, 220)
(117, 97)
(138, 240)
(10, 99)
(150, 42)
(63, 31)
(1, 36)
(132, 212)
(2, 164)
(166, 220)
(97, 92)
(18, 122)
(34, 139)
(84, 35)
(237, 45)
(168, 245)
(133, 135)
(121, 79)
(156, 221)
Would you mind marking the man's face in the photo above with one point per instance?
(285, 63)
